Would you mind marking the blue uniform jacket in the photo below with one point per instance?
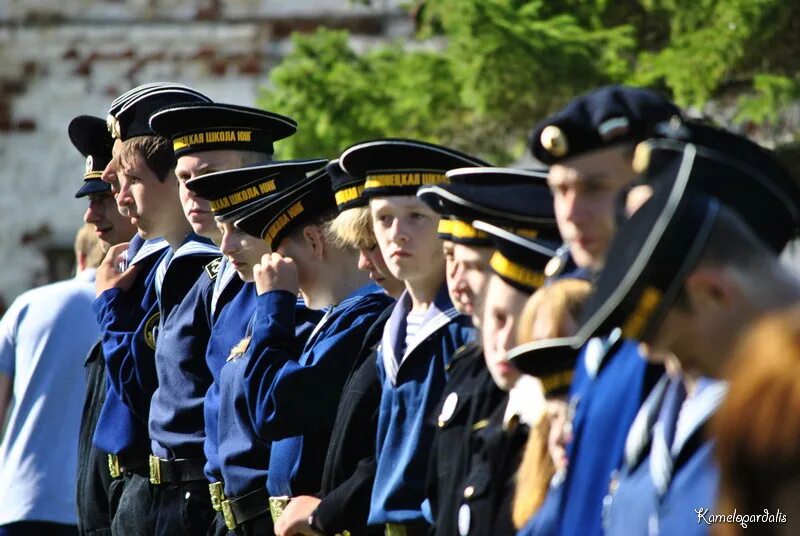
(650, 498)
(242, 454)
(545, 521)
(231, 306)
(410, 392)
(176, 410)
(611, 381)
(293, 398)
(128, 322)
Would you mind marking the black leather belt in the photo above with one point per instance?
(176, 471)
(238, 510)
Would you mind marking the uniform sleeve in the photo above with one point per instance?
(286, 398)
(129, 358)
(347, 506)
(8, 337)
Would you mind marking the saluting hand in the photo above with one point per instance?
(108, 276)
(276, 272)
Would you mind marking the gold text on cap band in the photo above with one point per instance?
(637, 320)
(348, 194)
(515, 272)
(212, 136)
(384, 180)
(556, 382)
(242, 196)
(283, 220)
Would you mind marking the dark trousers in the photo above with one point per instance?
(131, 500)
(93, 477)
(38, 528)
(182, 509)
(258, 526)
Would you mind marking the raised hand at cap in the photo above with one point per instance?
(108, 276)
(276, 272)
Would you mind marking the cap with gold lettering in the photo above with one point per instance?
(515, 199)
(277, 216)
(89, 135)
(204, 126)
(601, 118)
(346, 188)
(129, 115)
(397, 166)
(229, 191)
(517, 259)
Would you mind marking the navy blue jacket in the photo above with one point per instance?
(293, 398)
(611, 381)
(244, 456)
(410, 392)
(176, 410)
(128, 322)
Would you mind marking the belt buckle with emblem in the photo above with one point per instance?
(227, 515)
(155, 470)
(217, 493)
(113, 466)
(277, 505)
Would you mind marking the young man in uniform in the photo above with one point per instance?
(342, 503)
(686, 276)
(515, 199)
(90, 136)
(147, 191)
(424, 330)
(588, 146)
(292, 396)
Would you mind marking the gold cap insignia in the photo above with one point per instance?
(89, 163)
(554, 141)
(113, 126)
(641, 157)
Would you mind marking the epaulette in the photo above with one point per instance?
(212, 268)
(458, 355)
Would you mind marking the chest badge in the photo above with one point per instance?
(448, 408)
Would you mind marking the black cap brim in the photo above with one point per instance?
(93, 186)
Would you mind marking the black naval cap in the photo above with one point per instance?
(346, 188)
(740, 173)
(277, 216)
(598, 119)
(207, 126)
(129, 115)
(397, 166)
(524, 207)
(89, 135)
(230, 191)
(651, 256)
(518, 260)
(551, 361)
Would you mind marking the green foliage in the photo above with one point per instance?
(484, 71)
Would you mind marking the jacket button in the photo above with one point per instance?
(469, 491)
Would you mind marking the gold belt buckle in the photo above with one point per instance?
(155, 469)
(113, 466)
(395, 529)
(276, 506)
(215, 489)
(227, 515)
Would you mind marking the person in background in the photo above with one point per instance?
(552, 312)
(757, 428)
(44, 338)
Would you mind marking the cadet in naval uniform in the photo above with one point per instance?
(516, 199)
(208, 138)
(678, 297)
(90, 136)
(342, 504)
(292, 397)
(237, 459)
(155, 205)
(128, 313)
(424, 325)
(588, 146)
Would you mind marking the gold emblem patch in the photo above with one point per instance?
(554, 141)
(151, 330)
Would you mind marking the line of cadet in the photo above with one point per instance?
(407, 340)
